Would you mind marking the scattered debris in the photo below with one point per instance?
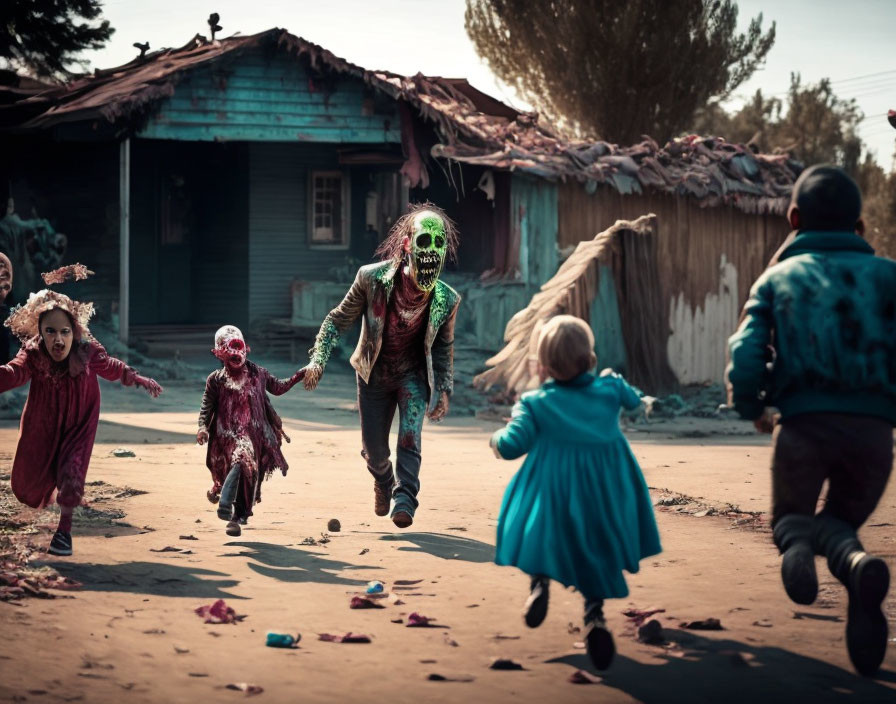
(375, 587)
(324, 539)
(346, 638)
(436, 677)
(764, 623)
(458, 528)
(416, 620)
(501, 636)
(197, 674)
(361, 602)
(219, 612)
(123, 452)
(282, 640)
(572, 628)
(308, 541)
(707, 624)
(167, 548)
(639, 616)
(398, 620)
(405, 583)
(364, 551)
(333, 525)
(181, 651)
(188, 537)
(504, 664)
(450, 641)
(249, 689)
(584, 677)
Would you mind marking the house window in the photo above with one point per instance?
(329, 209)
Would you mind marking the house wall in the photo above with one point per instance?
(707, 259)
(534, 224)
(259, 98)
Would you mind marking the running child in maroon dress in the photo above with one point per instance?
(63, 361)
(241, 427)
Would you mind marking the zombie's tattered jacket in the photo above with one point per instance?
(60, 419)
(828, 310)
(242, 424)
(368, 298)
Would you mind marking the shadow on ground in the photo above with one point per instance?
(151, 578)
(448, 547)
(706, 669)
(295, 566)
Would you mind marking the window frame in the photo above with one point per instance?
(344, 242)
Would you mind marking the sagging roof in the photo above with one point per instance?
(472, 127)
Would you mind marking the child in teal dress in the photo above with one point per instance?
(578, 510)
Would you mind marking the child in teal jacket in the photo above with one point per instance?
(578, 510)
(818, 342)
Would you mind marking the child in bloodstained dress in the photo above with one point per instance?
(241, 427)
(58, 427)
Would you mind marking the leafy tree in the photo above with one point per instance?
(811, 123)
(617, 70)
(44, 37)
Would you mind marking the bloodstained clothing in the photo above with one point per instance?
(244, 429)
(406, 316)
(60, 418)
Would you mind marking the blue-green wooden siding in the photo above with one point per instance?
(533, 217)
(609, 344)
(258, 98)
(278, 225)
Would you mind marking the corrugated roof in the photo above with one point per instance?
(472, 127)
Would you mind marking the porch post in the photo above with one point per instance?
(124, 201)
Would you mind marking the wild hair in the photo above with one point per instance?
(391, 247)
(566, 347)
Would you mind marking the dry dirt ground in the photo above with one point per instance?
(130, 632)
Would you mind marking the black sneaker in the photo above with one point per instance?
(61, 544)
(536, 607)
(798, 573)
(599, 644)
(866, 625)
(233, 528)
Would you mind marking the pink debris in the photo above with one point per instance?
(219, 612)
(639, 616)
(360, 602)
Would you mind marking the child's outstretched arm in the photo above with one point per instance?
(207, 410)
(749, 346)
(16, 373)
(113, 369)
(517, 437)
(278, 387)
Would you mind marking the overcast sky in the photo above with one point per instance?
(852, 43)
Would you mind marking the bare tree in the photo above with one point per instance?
(617, 70)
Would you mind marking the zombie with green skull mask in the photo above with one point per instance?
(405, 356)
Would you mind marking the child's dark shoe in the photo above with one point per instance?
(866, 626)
(798, 573)
(61, 544)
(536, 607)
(402, 519)
(233, 528)
(599, 644)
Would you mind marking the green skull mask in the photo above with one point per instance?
(429, 245)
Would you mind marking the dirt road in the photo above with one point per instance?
(131, 634)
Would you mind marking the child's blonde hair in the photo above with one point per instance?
(566, 347)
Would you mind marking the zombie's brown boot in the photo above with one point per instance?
(382, 495)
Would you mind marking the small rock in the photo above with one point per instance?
(123, 452)
(333, 525)
(707, 624)
(504, 664)
(651, 633)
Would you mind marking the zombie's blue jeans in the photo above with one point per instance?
(377, 402)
